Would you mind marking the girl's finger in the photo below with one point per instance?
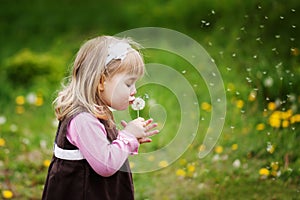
(144, 140)
(151, 126)
(123, 123)
(149, 121)
(150, 133)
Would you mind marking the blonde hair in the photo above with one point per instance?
(82, 91)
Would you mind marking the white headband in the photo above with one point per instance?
(117, 51)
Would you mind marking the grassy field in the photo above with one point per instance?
(256, 156)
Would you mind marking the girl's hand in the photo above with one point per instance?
(141, 129)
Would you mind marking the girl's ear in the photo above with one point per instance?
(101, 84)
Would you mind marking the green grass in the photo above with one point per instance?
(214, 177)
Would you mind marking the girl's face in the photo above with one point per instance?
(118, 91)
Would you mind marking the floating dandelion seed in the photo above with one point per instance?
(268, 82)
(221, 53)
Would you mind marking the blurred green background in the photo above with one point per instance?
(255, 45)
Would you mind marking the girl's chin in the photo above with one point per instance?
(120, 108)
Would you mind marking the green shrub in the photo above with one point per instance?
(27, 68)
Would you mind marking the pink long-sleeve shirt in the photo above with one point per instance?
(88, 134)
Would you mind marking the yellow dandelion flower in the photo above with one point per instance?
(264, 172)
(230, 87)
(287, 114)
(191, 168)
(20, 110)
(295, 118)
(2, 142)
(20, 100)
(274, 173)
(260, 126)
(285, 123)
(46, 163)
(275, 123)
(272, 106)
(151, 158)
(239, 104)
(265, 113)
(206, 106)
(295, 51)
(234, 147)
(270, 148)
(274, 119)
(180, 173)
(201, 148)
(131, 164)
(39, 101)
(7, 194)
(274, 166)
(252, 96)
(163, 163)
(219, 149)
(182, 162)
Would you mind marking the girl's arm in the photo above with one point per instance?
(89, 136)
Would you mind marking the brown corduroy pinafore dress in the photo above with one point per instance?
(76, 180)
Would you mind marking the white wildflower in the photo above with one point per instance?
(236, 163)
(2, 120)
(31, 98)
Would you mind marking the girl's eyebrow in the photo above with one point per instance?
(132, 78)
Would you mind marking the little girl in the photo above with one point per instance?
(90, 158)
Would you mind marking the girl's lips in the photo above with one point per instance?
(131, 99)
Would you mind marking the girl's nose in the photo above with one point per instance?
(133, 91)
